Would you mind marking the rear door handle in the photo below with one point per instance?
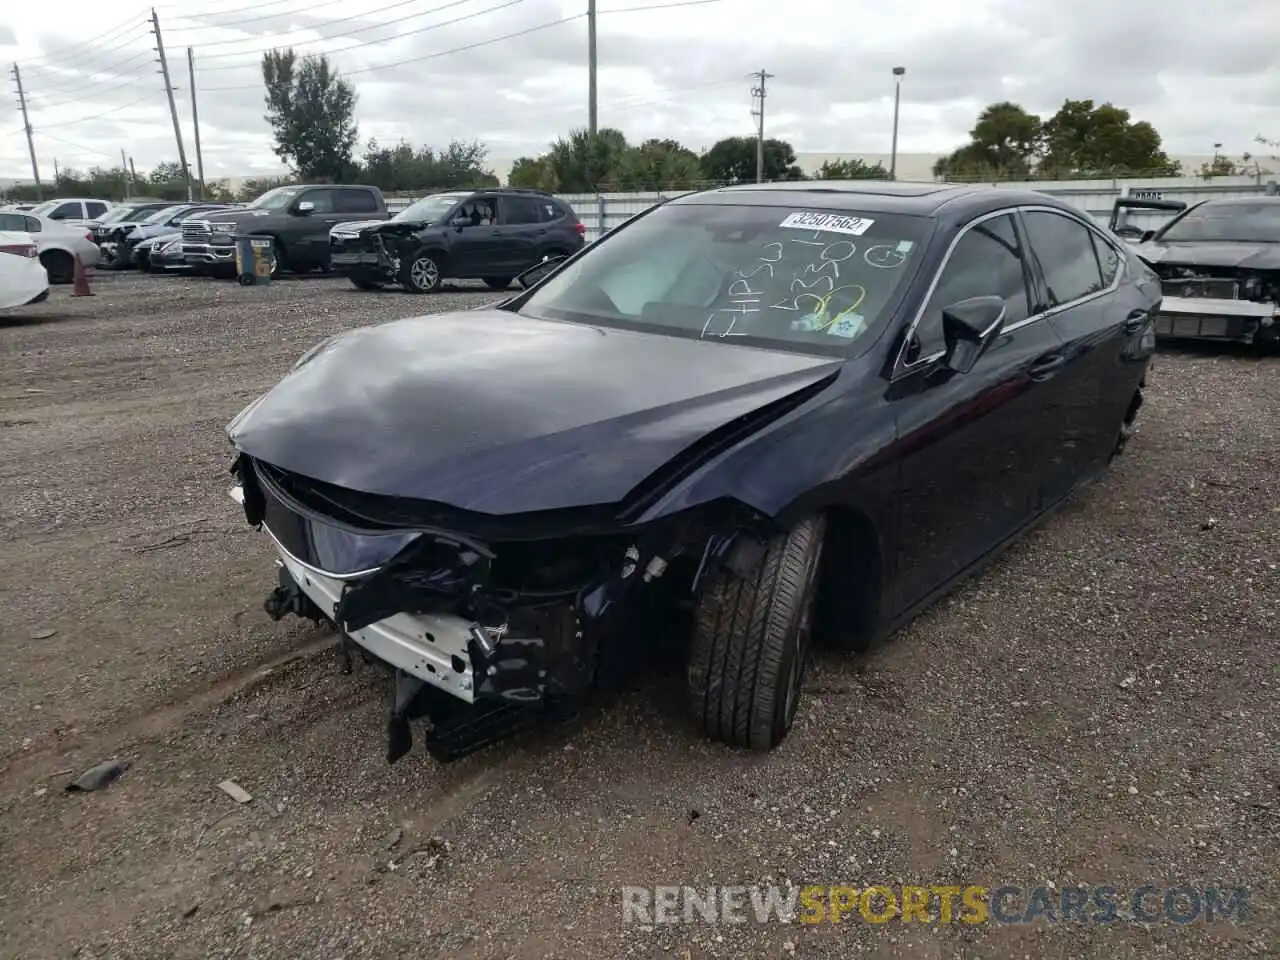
(1136, 320)
(1047, 366)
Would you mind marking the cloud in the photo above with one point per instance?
(672, 72)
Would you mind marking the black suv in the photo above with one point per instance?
(488, 234)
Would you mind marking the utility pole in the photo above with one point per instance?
(57, 177)
(173, 107)
(593, 117)
(759, 93)
(26, 124)
(133, 171)
(897, 99)
(124, 170)
(195, 120)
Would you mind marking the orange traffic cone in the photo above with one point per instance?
(81, 286)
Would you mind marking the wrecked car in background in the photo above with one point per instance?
(1219, 263)
(763, 411)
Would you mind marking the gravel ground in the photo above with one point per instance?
(1098, 707)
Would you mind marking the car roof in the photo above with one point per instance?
(950, 200)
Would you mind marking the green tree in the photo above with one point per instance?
(734, 159)
(406, 168)
(855, 168)
(312, 115)
(1003, 144)
(1084, 140)
(533, 173)
(659, 164)
(583, 163)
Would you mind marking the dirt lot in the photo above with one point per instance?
(1100, 707)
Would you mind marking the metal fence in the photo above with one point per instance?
(601, 212)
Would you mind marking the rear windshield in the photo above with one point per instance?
(1237, 220)
(799, 278)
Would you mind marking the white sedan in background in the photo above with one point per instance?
(59, 243)
(23, 278)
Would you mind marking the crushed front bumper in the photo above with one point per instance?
(1211, 318)
(532, 657)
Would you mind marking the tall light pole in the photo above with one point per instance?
(897, 100)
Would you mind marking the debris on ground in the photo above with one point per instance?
(99, 777)
(236, 792)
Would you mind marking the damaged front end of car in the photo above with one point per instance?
(487, 625)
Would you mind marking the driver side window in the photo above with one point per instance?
(987, 261)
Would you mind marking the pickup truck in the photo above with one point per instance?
(297, 218)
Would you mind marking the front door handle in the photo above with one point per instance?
(1136, 320)
(1047, 366)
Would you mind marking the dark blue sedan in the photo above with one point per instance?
(781, 409)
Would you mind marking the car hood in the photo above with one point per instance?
(497, 413)
(1249, 256)
(353, 227)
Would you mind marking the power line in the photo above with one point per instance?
(285, 13)
(95, 44)
(76, 82)
(86, 54)
(430, 56)
(95, 116)
(465, 47)
(376, 26)
(255, 8)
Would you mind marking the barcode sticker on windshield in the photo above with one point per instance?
(830, 222)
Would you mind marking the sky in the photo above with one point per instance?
(680, 70)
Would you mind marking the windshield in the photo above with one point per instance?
(430, 209)
(164, 213)
(796, 278)
(1241, 221)
(276, 199)
(116, 214)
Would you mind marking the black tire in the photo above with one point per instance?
(277, 257)
(60, 266)
(498, 283)
(1126, 425)
(421, 273)
(750, 643)
(366, 284)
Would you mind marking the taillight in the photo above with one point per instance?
(581, 228)
(20, 249)
(89, 236)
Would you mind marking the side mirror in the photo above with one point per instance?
(968, 327)
(539, 271)
(306, 208)
(1147, 235)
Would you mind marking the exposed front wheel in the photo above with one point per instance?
(420, 273)
(750, 642)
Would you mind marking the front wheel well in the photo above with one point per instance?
(847, 606)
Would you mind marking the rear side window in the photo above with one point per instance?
(96, 208)
(522, 210)
(987, 261)
(1064, 249)
(32, 225)
(354, 201)
(1108, 260)
(555, 211)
